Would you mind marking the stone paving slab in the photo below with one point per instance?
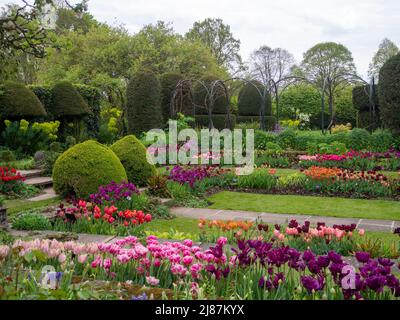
(30, 173)
(367, 224)
(39, 181)
(48, 193)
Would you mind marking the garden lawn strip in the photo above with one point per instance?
(307, 205)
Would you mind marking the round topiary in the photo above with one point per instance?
(67, 102)
(250, 100)
(17, 101)
(132, 154)
(144, 103)
(82, 169)
(389, 94)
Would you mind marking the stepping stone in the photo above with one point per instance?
(48, 193)
(39, 181)
(31, 173)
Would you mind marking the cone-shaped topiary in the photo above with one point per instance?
(83, 168)
(250, 100)
(132, 154)
(389, 94)
(144, 103)
(67, 102)
(17, 101)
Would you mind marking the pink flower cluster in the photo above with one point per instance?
(182, 259)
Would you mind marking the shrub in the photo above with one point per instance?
(92, 97)
(362, 104)
(17, 101)
(6, 156)
(132, 154)
(260, 179)
(25, 138)
(220, 121)
(389, 94)
(201, 97)
(359, 139)
(287, 139)
(250, 100)
(144, 103)
(83, 168)
(182, 103)
(381, 140)
(67, 102)
(31, 221)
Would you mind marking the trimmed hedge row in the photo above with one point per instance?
(389, 94)
(219, 121)
(91, 98)
(250, 100)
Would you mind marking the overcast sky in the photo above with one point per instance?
(295, 25)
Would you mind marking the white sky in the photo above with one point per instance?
(294, 25)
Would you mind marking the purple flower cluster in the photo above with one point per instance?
(190, 176)
(373, 275)
(114, 192)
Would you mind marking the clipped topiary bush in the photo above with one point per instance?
(144, 103)
(362, 104)
(132, 154)
(92, 97)
(82, 169)
(183, 104)
(250, 100)
(389, 94)
(67, 102)
(17, 102)
(201, 91)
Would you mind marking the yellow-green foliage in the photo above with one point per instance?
(50, 129)
(132, 154)
(341, 128)
(82, 169)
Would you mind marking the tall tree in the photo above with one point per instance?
(328, 66)
(268, 64)
(23, 28)
(219, 38)
(387, 49)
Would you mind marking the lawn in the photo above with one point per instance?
(318, 206)
(17, 206)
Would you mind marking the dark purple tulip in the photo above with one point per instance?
(308, 255)
(323, 261)
(278, 277)
(335, 257)
(362, 257)
(310, 283)
(376, 282)
(385, 262)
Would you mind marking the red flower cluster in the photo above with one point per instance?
(128, 217)
(85, 210)
(10, 174)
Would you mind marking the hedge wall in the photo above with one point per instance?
(270, 121)
(361, 103)
(200, 93)
(389, 94)
(144, 103)
(250, 100)
(91, 95)
(219, 121)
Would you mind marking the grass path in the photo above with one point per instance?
(319, 206)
